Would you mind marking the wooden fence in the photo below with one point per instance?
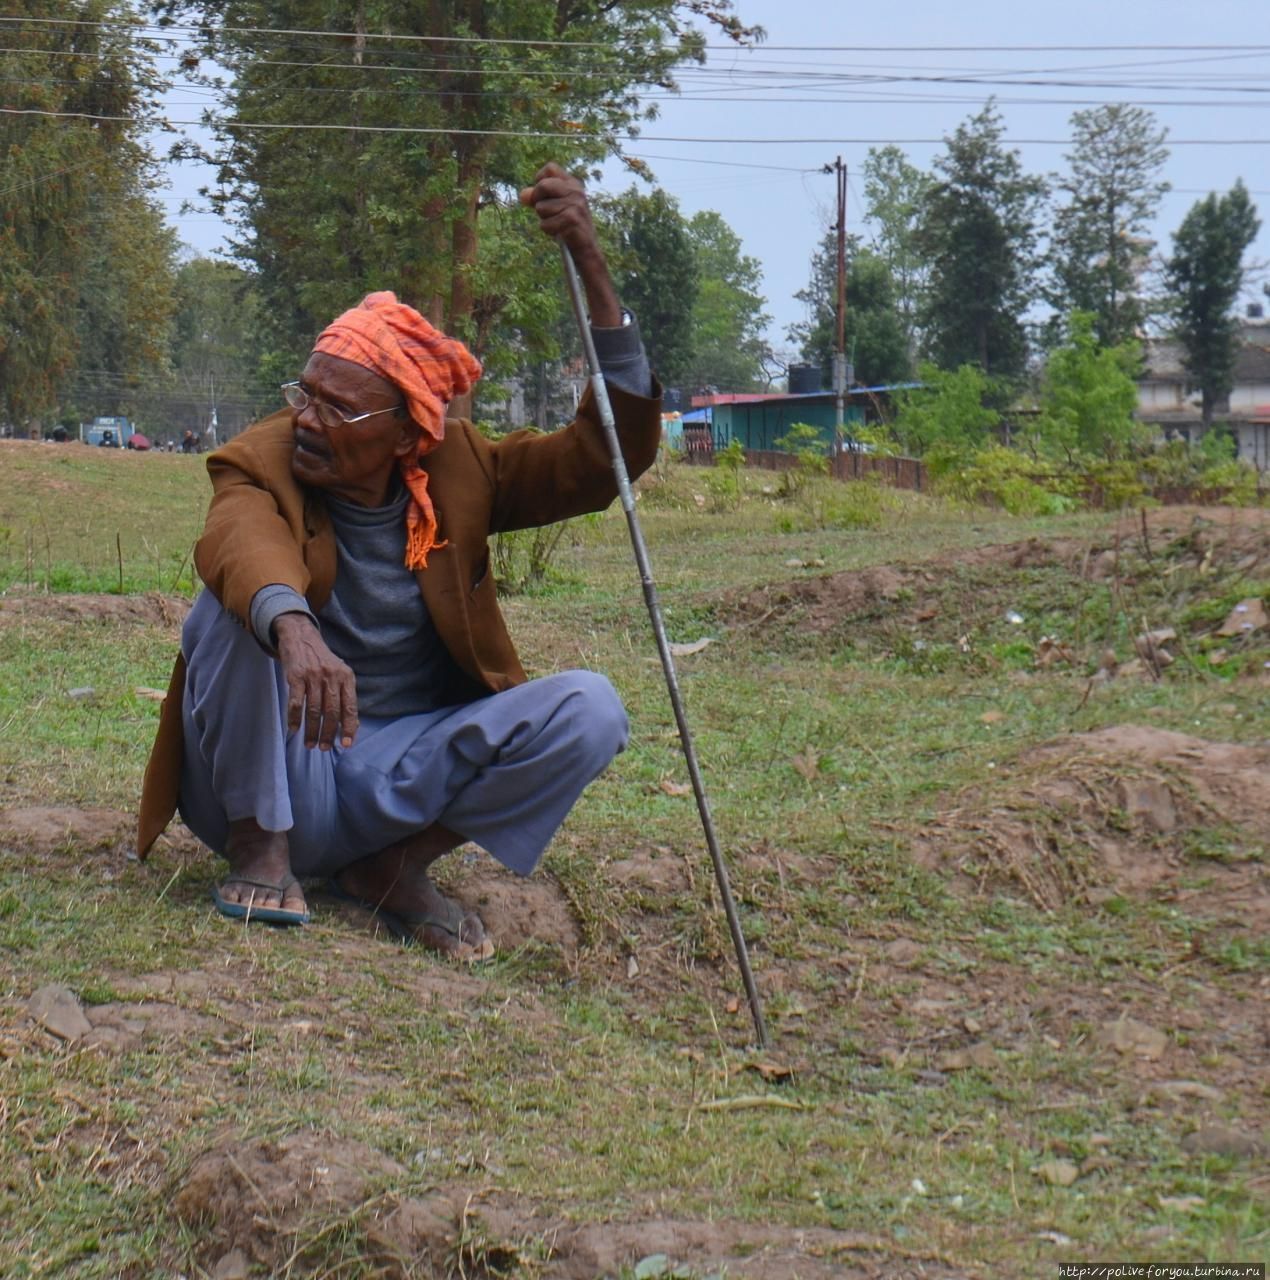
(899, 473)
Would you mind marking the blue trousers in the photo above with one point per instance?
(502, 771)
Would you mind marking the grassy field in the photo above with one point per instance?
(1008, 917)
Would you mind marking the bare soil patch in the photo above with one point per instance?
(266, 1202)
(1117, 811)
(45, 829)
(151, 609)
(1204, 540)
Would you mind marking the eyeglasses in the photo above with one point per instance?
(327, 414)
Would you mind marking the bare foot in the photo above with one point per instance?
(263, 857)
(395, 884)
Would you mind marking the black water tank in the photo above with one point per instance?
(803, 379)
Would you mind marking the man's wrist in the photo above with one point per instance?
(288, 624)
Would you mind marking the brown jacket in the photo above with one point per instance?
(263, 527)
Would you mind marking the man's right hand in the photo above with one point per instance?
(321, 689)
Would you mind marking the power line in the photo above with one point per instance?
(858, 98)
(581, 135)
(987, 77)
(733, 47)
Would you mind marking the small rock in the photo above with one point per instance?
(1218, 1140)
(903, 951)
(1182, 1204)
(57, 1009)
(1058, 1173)
(1128, 1036)
(111, 1038)
(1147, 803)
(980, 1055)
(81, 695)
(1176, 1090)
(1247, 616)
(233, 1266)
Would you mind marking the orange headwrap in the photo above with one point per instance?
(395, 341)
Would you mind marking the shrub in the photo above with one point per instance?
(811, 453)
(1001, 477)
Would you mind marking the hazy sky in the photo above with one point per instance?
(798, 101)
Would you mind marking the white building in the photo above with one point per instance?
(1168, 398)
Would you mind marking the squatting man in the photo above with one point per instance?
(347, 702)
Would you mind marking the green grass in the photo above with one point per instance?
(567, 1085)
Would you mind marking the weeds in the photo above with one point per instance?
(571, 1080)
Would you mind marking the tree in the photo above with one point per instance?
(426, 116)
(727, 317)
(1100, 243)
(873, 331)
(977, 230)
(656, 271)
(126, 300)
(1205, 275)
(946, 412)
(894, 192)
(1088, 393)
(76, 214)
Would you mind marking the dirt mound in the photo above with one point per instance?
(819, 604)
(151, 609)
(518, 912)
(269, 1198)
(272, 1202)
(1170, 542)
(1127, 809)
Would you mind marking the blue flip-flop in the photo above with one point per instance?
(251, 913)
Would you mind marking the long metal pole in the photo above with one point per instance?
(840, 355)
(659, 631)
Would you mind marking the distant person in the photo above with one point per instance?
(189, 442)
(348, 703)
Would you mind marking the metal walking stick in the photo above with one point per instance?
(663, 648)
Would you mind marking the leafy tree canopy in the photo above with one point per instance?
(873, 330)
(657, 273)
(415, 190)
(1100, 244)
(894, 192)
(947, 412)
(1088, 392)
(977, 232)
(84, 260)
(728, 317)
(1205, 275)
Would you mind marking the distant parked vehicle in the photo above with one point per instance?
(106, 433)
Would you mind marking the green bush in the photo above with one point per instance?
(809, 448)
(1001, 477)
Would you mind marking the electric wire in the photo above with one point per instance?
(582, 135)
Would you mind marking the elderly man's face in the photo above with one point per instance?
(356, 461)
